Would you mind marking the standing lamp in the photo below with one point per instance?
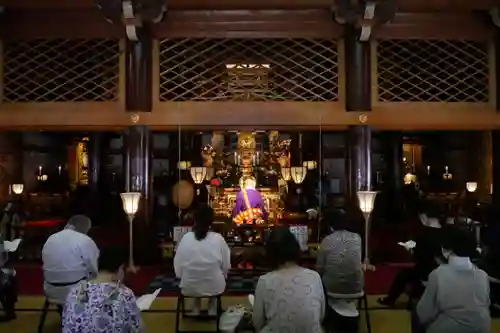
(130, 202)
(366, 202)
(198, 174)
(12, 209)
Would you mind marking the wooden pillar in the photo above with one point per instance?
(357, 71)
(484, 177)
(393, 178)
(138, 73)
(358, 98)
(137, 166)
(359, 159)
(495, 147)
(95, 153)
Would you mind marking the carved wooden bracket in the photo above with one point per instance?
(364, 14)
(133, 14)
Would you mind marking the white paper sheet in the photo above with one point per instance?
(251, 299)
(11, 246)
(408, 245)
(145, 301)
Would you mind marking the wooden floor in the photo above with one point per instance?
(161, 318)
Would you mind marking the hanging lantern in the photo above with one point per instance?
(17, 188)
(310, 165)
(298, 174)
(286, 174)
(183, 165)
(198, 174)
(366, 201)
(409, 178)
(471, 186)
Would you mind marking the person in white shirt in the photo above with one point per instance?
(202, 261)
(69, 257)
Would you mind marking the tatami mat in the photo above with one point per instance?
(161, 318)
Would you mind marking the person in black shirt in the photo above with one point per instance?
(427, 249)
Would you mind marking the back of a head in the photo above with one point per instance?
(337, 219)
(80, 223)
(203, 218)
(282, 247)
(432, 210)
(459, 241)
(111, 259)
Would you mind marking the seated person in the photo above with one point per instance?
(202, 261)
(339, 263)
(69, 256)
(8, 285)
(103, 304)
(456, 298)
(289, 298)
(490, 261)
(427, 249)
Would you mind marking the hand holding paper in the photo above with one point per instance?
(408, 245)
(11, 246)
(145, 301)
(251, 299)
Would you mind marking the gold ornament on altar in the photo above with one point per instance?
(134, 118)
(246, 141)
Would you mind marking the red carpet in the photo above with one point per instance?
(30, 278)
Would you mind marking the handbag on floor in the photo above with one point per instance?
(231, 318)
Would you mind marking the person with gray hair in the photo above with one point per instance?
(69, 257)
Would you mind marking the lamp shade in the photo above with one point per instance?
(183, 165)
(471, 186)
(310, 165)
(366, 200)
(298, 174)
(17, 188)
(409, 178)
(198, 174)
(130, 202)
(286, 174)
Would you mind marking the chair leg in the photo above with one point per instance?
(367, 314)
(180, 300)
(219, 313)
(45, 309)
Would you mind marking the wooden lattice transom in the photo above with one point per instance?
(432, 71)
(61, 70)
(248, 69)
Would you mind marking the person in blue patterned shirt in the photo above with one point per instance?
(103, 305)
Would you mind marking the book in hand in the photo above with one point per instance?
(145, 301)
(11, 246)
(408, 245)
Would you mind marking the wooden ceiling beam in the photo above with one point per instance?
(90, 23)
(46, 23)
(404, 5)
(460, 25)
(278, 115)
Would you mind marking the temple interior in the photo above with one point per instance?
(136, 113)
